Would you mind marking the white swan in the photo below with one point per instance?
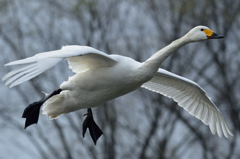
(100, 77)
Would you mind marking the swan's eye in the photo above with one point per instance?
(202, 29)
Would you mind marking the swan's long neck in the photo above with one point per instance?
(156, 59)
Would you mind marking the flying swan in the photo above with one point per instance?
(101, 77)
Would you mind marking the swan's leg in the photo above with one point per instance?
(31, 112)
(89, 123)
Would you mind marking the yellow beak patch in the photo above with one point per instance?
(208, 32)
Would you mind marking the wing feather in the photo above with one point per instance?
(191, 97)
(80, 58)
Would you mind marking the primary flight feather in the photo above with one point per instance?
(101, 77)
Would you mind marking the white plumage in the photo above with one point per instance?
(100, 77)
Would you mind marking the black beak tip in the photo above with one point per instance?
(220, 37)
(215, 36)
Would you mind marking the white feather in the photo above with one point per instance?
(191, 97)
(80, 59)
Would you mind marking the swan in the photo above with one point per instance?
(100, 77)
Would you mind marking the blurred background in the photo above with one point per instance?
(139, 125)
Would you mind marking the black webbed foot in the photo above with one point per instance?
(89, 123)
(31, 112)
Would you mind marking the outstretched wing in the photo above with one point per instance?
(191, 97)
(80, 58)
(93, 59)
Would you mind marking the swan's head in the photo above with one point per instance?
(200, 33)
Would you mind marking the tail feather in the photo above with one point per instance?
(54, 107)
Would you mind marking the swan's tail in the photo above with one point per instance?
(29, 68)
(54, 107)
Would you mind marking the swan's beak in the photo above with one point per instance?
(211, 35)
(215, 36)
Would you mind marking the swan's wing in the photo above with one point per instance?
(93, 59)
(80, 58)
(191, 97)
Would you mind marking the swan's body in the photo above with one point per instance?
(100, 77)
(97, 86)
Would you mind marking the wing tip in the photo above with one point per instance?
(229, 132)
(4, 78)
(12, 63)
